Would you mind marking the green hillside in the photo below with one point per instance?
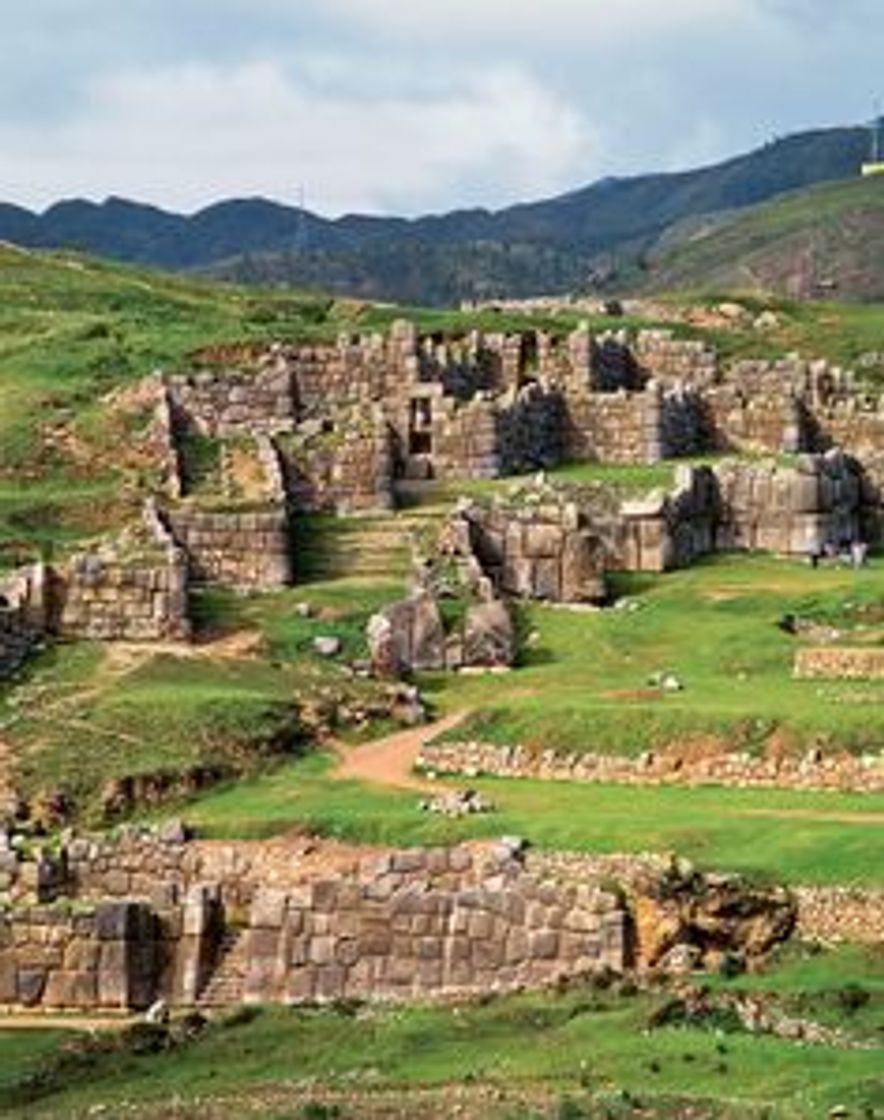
(825, 240)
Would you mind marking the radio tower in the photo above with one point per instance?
(301, 234)
(876, 128)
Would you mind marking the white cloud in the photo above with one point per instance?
(184, 136)
(575, 25)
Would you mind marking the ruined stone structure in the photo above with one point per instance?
(132, 587)
(795, 508)
(532, 550)
(270, 433)
(22, 616)
(158, 916)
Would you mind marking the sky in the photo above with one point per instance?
(410, 106)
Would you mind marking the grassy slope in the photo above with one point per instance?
(582, 685)
(826, 233)
(588, 1044)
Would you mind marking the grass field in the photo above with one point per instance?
(582, 684)
(590, 1045)
(804, 838)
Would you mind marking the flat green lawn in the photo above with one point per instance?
(582, 684)
(589, 1044)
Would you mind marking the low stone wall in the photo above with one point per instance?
(669, 767)
(249, 550)
(840, 914)
(839, 663)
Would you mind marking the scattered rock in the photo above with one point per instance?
(456, 803)
(326, 646)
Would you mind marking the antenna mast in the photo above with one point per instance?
(301, 235)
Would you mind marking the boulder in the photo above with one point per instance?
(489, 637)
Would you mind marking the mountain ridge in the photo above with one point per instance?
(572, 234)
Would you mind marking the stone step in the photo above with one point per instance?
(226, 984)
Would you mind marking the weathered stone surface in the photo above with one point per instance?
(489, 638)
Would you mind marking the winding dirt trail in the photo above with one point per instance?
(390, 761)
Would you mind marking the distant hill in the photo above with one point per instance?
(577, 240)
(822, 241)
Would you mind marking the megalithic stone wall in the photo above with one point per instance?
(430, 922)
(103, 957)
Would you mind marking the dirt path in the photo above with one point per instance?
(390, 761)
(14, 1022)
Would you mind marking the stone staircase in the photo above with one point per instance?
(226, 984)
(378, 546)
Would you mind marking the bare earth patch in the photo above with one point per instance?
(390, 761)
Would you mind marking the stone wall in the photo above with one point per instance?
(676, 765)
(22, 616)
(106, 957)
(236, 549)
(420, 923)
(231, 402)
(344, 465)
(529, 551)
(156, 915)
(753, 506)
(132, 587)
(840, 663)
(841, 914)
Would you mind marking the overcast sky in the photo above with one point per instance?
(407, 106)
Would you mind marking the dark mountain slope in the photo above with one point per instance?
(821, 241)
(475, 252)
